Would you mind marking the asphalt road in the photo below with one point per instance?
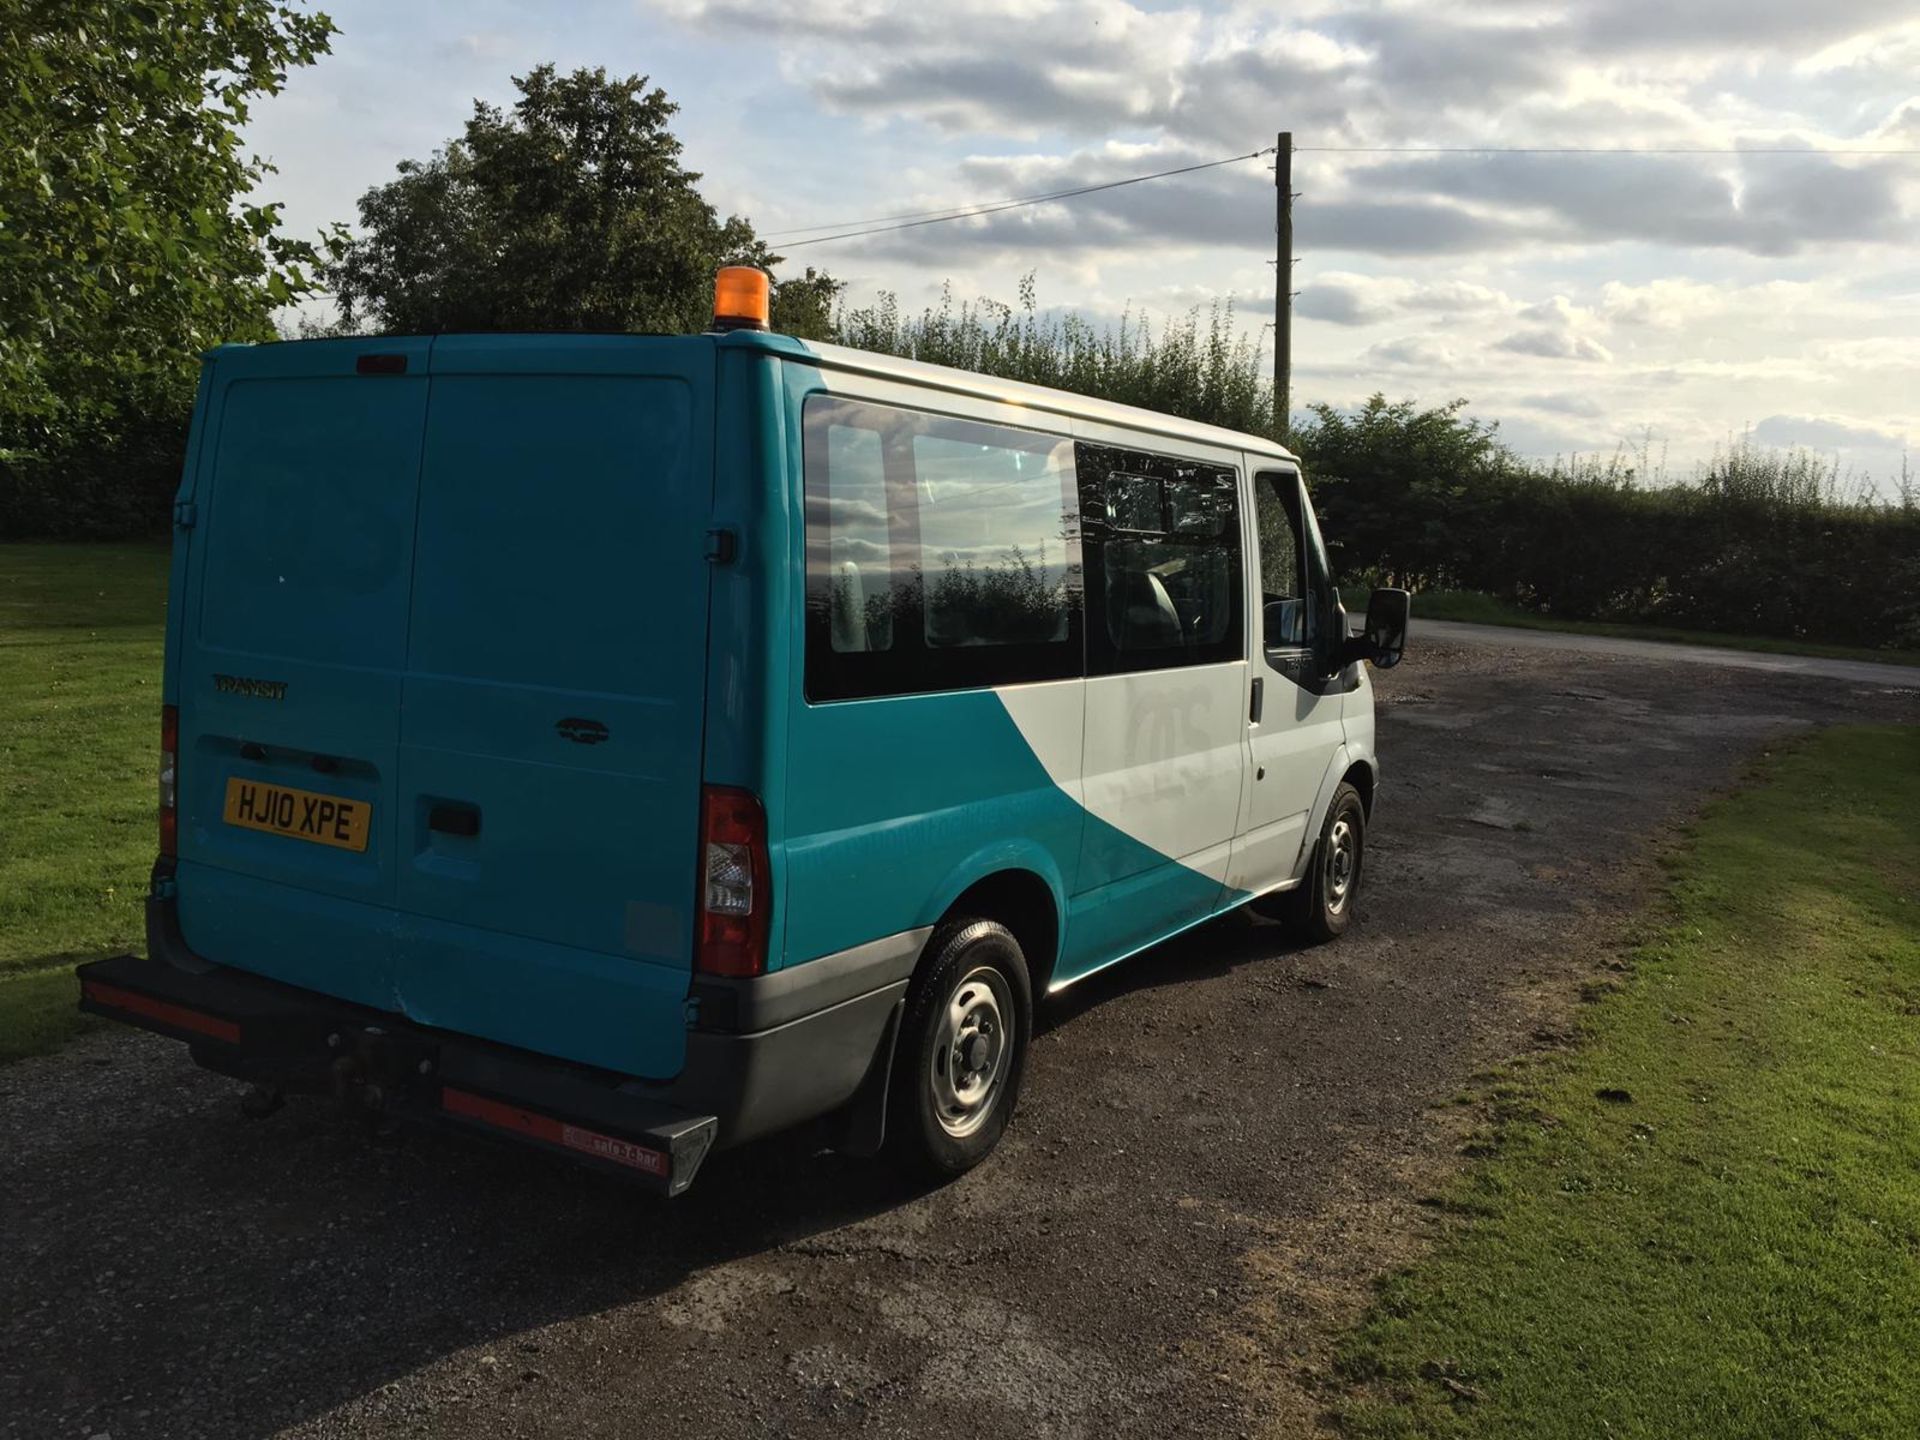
(1220, 1143)
(1857, 672)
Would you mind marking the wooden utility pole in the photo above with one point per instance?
(1283, 284)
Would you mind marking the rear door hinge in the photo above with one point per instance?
(185, 514)
(722, 545)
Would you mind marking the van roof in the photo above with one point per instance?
(1033, 397)
(845, 358)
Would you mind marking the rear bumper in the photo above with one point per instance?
(777, 1051)
(263, 1031)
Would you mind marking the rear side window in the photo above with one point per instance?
(1162, 546)
(942, 554)
(859, 539)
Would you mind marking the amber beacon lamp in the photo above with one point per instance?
(742, 298)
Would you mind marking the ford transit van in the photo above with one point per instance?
(631, 744)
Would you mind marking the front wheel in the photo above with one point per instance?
(963, 1049)
(1321, 906)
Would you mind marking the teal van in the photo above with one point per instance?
(630, 744)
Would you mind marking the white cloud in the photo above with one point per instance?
(1902, 126)
(1347, 298)
(1554, 345)
(1664, 304)
(1194, 82)
(1823, 432)
(1419, 352)
(1556, 329)
(1565, 403)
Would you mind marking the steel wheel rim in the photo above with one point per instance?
(1343, 863)
(971, 1049)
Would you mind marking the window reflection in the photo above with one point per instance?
(941, 553)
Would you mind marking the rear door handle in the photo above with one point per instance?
(451, 819)
(1259, 695)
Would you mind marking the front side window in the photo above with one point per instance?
(942, 554)
(1162, 539)
(1286, 618)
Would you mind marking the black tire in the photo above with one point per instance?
(938, 1123)
(1321, 906)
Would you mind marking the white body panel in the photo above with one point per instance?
(1299, 735)
(1051, 716)
(1163, 762)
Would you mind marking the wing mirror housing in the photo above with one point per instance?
(1385, 638)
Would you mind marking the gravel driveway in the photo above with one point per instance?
(1220, 1142)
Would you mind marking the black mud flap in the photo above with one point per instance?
(862, 1127)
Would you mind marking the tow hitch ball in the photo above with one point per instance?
(368, 1072)
(367, 1075)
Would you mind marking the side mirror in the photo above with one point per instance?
(1385, 638)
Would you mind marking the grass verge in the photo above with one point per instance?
(81, 638)
(1705, 1219)
(1479, 609)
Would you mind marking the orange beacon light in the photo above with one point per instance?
(742, 298)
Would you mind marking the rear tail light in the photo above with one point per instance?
(169, 780)
(735, 893)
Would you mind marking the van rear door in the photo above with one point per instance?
(550, 740)
(299, 579)
(470, 597)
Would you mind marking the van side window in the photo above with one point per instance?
(942, 554)
(860, 549)
(1286, 612)
(1162, 545)
(992, 546)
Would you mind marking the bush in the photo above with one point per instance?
(115, 483)
(1202, 372)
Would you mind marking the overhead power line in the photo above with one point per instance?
(944, 211)
(1581, 150)
(885, 223)
(914, 219)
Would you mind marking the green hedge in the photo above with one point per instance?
(1759, 543)
(113, 489)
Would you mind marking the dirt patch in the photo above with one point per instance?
(1223, 1142)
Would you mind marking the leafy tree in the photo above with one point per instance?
(569, 211)
(127, 241)
(1399, 486)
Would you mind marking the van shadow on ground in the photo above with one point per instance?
(241, 1276)
(1208, 951)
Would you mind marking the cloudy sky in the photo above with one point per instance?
(1585, 302)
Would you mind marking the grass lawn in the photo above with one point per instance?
(1470, 605)
(80, 651)
(1704, 1220)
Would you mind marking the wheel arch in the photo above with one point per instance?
(1028, 904)
(1360, 774)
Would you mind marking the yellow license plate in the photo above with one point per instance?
(303, 814)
